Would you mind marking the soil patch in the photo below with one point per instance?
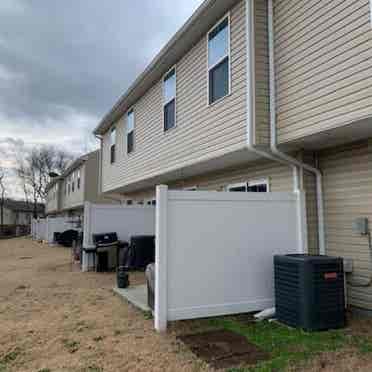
(224, 349)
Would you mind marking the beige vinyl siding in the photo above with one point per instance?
(76, 198)
(323, 56)
(262, 73)
(347, 174)
(52, 203)
(202, 131)
(279, 176)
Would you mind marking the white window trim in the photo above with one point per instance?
(228, 16)
(174, 67)
(262, 181)
(133, 130)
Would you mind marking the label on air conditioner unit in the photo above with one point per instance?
(330, 276)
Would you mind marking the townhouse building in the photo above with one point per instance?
(258, 96)
(67, 193)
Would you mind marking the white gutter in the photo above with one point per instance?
(273, 133)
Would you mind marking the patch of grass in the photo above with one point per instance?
(286, 345)
(363, 344)
(93, 368)
(9, 358)
(71, 346)
(117, 332)
(44, 370)
(148, 315)
(98, 338)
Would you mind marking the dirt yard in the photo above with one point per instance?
(54, 319)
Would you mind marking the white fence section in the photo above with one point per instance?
(33, 228)
(57, 224)
(214, 250)
(38, 229)
(125, 220)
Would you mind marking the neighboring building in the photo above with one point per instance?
(20, 213)
(67, 193)
(240, 77)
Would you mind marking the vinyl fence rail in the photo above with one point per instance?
(214, 250)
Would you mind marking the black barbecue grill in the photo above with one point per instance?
(104, 244)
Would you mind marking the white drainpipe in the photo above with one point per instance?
(273, 133)
(251, 109)
(274, 154)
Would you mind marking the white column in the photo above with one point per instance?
(161, 286)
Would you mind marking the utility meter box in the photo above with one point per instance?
(360, 226)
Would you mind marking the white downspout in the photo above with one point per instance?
(273, 133)
(250, 84)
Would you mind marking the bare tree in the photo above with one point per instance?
(2, 197)
(34, 169)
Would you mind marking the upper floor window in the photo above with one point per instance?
(130, 131)
(169, 92)
(219, 61)
(112, 145)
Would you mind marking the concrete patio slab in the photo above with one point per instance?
(136, 295)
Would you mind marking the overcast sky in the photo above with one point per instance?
(63, 64)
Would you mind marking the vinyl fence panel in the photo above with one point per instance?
(214, 250)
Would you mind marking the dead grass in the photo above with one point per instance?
(54, 319)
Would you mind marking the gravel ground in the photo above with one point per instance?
(54, 319)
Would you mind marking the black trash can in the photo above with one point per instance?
(150, 278)
(122, 277)
(143, 251)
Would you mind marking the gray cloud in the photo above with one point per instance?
(63, 64)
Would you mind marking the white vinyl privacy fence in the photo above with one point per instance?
(125, 220)
(214, 250)
(58, 224)
(38, 229)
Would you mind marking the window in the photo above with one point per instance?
(219, 61)
(252, 186)
(73, 182)
(129, 202)
(239, 187)
(78, 179)
(112, 145)
(169, 92)
(151, 202)
(130, 131)
(191, 188)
